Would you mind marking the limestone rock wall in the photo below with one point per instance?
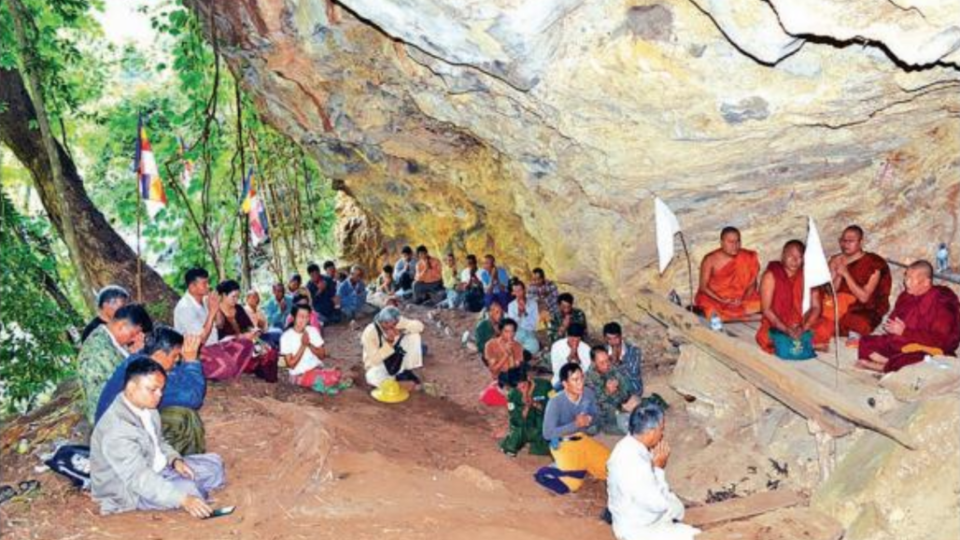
(541, 129)
(882, 491)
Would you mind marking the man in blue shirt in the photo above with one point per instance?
(353, 295)
(323, 294)
(184, 392)
(496, 283)
(405, 270)
(278, 307)
(568, 423)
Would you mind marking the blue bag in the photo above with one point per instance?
(787, 348)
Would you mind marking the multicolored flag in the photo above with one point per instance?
(253, 207)
(186, 174)
(148, 176)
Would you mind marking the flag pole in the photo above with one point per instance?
(139, 210)
(836, 336)
(683, 242)
(139, 260)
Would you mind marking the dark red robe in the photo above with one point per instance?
(788, 305)
(931, 320)
(864, 317)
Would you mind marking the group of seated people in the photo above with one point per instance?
(925, 319)
(143, 385)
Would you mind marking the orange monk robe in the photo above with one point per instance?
(731, 282)
(788, 306)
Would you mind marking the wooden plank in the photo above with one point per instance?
(857, 385)
(742, 507)
(827, 407)
(783, 524)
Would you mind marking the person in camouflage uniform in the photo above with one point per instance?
(566, 316)
(625, 357)
(611, 388)
(526, 402)
(106, 348)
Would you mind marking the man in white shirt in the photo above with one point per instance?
(195, 315)
(302, 348)
(392, 348)
(640, 501)
(570, 349)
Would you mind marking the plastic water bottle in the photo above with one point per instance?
(943, 259)
(715, 323)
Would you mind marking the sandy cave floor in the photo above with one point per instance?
(304, 465)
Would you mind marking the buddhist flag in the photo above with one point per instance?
(667, 227)
(816, 271)
(186, 174)
(253, 207)
(148, 176)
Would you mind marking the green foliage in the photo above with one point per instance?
(66, 40)
(194, 99)
(96, 92)
(35, 350)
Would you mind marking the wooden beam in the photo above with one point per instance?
(784, 524)
(780, 380)
(741, 507)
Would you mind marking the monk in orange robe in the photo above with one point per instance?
(862, 281)
(728, 279)
(926, 320)
(781, 296)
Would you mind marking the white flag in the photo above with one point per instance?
(667, 227)
(816, 271)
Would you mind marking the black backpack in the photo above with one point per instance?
(73, 462)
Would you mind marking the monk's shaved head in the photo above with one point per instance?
(730, 241)
(729, 230)
(918, 279)
(795, 244)
(856, 229)
(924, 267)
(851, 241)
(792, 256)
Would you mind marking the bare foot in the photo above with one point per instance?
(867, 365)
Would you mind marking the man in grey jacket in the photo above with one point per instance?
(132, 467)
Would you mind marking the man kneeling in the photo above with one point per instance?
(132, 467)
(640, 501)
(568, 423)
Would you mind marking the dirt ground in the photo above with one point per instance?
(304, 465)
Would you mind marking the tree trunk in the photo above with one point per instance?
(30, 62)
(102, 255)
(247, 279)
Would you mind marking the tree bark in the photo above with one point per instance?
(29, 61)
(101, 254)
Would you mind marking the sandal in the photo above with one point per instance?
(7, 493)
(27, 486)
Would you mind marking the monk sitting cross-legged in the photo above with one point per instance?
(781, 294)
(728, 279)
(862, 281)
(925, 320)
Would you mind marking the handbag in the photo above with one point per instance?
(787, 348)
(394, 362)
